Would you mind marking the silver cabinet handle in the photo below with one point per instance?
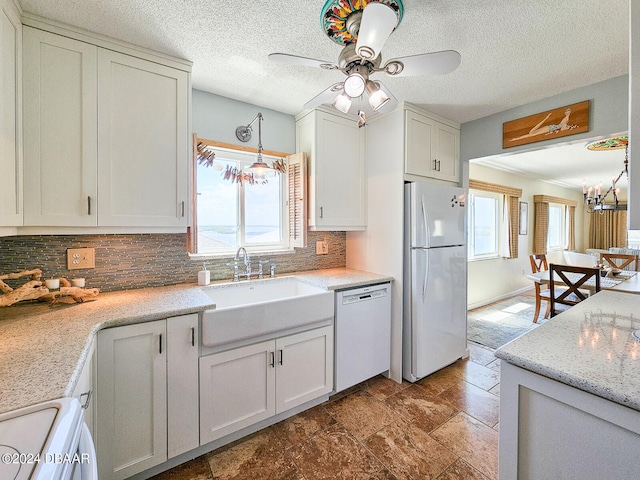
(182, 207)
(273, 359)
(321, 212)
(88, 205)
(86, 403)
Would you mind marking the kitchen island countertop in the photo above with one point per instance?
(590, 347)
(44, 347)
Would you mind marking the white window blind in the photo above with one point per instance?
(297, 199)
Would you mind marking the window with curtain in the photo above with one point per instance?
(554, 226)
(507, 218)
(264, 216)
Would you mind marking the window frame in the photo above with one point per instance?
(562, 227)
(499, 225)
(245, 156)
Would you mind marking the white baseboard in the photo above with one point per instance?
(498, 298)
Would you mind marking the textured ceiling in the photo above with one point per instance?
(513, 52)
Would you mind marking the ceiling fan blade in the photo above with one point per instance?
(436, 63)
(326, 96)
(307, 62)
(378, 21)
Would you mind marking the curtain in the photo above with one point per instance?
(540, 227)
(571, 227)
(513, 224)
(608, 230)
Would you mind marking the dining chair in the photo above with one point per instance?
(539, 264)
(569, 278)
(619, 260)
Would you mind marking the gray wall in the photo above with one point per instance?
(216, 118)
(609, 109)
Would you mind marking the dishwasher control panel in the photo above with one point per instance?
(363, 294)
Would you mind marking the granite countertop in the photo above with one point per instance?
(589, 347)
(43, 347)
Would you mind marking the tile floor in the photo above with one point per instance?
(444, 427)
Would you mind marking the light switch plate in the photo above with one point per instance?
(78, 258)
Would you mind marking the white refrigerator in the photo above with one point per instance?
(435, 278)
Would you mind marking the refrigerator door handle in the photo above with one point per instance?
(424, 222)
(426, 276)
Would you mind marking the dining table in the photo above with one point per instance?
(626, 281)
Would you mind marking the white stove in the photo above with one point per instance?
(47, 441)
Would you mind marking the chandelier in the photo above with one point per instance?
(594, 199)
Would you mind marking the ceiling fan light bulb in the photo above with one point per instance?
(378, 100)
(377, 97)
(354, 85)
(342, 103)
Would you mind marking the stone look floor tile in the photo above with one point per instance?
(334, 454)
(425, 410)
(474, 401)
(260, 456)
(480, 355)
(442, 380)
(461, 470)
(197, 469)
(361, 414)
(472, 441)
(298, 428)
(408, 452)
(381, 387)
(495, 390)
(481, 376)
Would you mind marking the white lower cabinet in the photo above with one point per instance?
(147, 391)
(241, 387)
(84, 388)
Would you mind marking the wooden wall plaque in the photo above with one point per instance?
(559, 122)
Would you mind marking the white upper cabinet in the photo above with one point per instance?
(106, 136)
(432, 148)
(10, 116)
(335, 148)
(60, 130)
(142, 142)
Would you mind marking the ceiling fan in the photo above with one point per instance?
(363, 27)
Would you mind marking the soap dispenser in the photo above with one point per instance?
(204, 275)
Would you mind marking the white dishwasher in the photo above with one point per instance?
(363, 334)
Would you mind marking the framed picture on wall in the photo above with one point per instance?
(524, 218)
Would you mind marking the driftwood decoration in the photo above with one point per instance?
(35, 290)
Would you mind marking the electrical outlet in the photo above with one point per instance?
(78, 258)
(322, 247)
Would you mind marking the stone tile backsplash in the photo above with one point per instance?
(126, 262)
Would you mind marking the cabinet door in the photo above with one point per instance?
(338, 171)
(447, 152)
(85, 388)
(304, 367)
(419, 157)
(236, 389)
(60, 130)
(182, 384)
(143, 136)
(131, 403)
(10, 116)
